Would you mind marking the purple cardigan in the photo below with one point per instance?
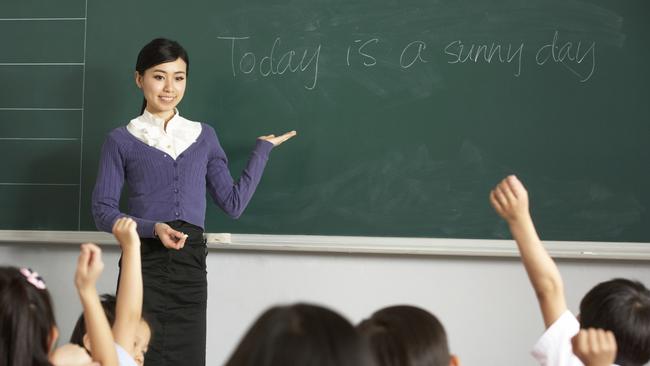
(163, 189)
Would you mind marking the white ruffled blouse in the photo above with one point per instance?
(180, 134)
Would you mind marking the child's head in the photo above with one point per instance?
(301, 335)
(406, 336)
(27, 327)
(143, 335)
(622, 306)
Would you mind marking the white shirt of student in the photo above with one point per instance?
(554, 347)
(123, 357)
(179, 135)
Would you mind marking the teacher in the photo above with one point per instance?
(168, 162)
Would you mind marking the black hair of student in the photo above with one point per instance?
(623, 307)
(109, 303)
(406, 335)
(159, 51)
(26, 320)
(301, 335)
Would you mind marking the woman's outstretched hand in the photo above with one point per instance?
(277, 140)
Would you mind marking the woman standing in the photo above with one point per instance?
(168, 163)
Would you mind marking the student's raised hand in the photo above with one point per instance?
(510, 199)
(71, 355)
(170, 238)
(595, 347)
(125, 232)
(89, 267)
(278, 140)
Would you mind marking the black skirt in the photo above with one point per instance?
(175, 298)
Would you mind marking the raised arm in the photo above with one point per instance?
(89, 268)
(108, 189)
(231, 196)
(128, 308)
(510, 200)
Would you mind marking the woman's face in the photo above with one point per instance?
(163, 87)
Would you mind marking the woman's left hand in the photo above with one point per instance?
(279, 139)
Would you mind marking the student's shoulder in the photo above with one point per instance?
(123, 357)
(566, 325)
(554, 346)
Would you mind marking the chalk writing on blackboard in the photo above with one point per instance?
(579, 57)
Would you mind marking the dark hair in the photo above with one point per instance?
(622, 306)
(108, 304)
(159, 51)
(26, 320)
(301, 335)
(406, 336)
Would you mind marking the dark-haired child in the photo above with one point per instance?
(621, 306)
(405, 335)
(28, 331)
(113, 332)
(301, 335)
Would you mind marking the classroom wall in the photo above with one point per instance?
(485, 303)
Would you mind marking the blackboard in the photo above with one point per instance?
(408, 112)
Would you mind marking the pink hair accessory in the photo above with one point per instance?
(33, 278)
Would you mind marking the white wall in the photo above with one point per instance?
(485, 303)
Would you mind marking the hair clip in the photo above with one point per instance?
(33, 278)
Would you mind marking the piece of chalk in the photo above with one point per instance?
(220, 238)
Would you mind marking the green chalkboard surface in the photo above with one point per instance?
(407, 112)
